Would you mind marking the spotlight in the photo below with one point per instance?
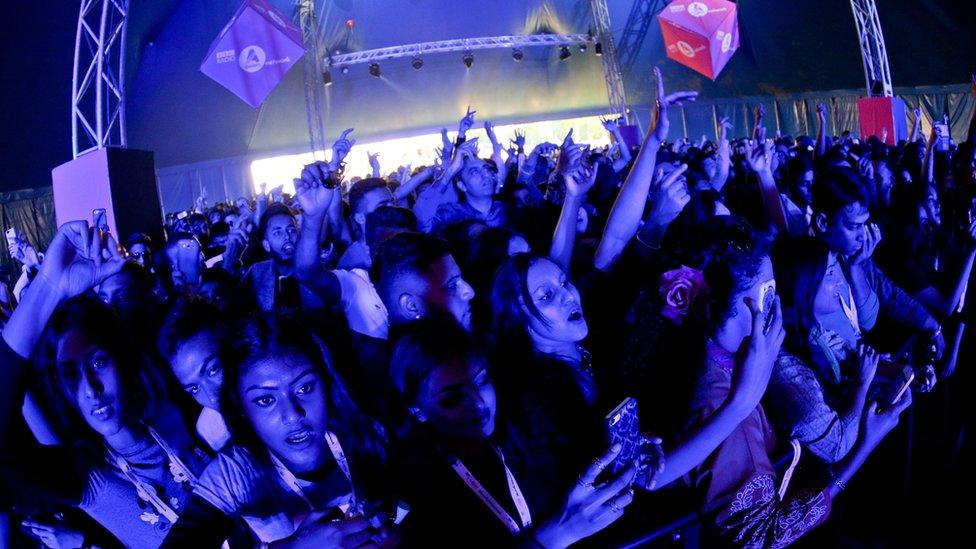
(564, 53)
(374, 69)
(344, 69)
(327, 77)
(598, 49)
(517, 54)
(468, 59)
(417, 62)
(582, 47)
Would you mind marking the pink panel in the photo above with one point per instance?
(81, 186)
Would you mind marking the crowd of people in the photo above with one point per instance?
(435, 358)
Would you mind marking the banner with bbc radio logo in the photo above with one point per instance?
(254, 51)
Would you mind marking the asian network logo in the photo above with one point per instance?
(252, 58)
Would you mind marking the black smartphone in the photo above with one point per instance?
(623, 428)
(902, 385)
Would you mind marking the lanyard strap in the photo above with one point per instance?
(850, 311)
(491, 502)
(292, 482)
(181, 473)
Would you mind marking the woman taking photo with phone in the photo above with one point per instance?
(468, 474)
(125, 457)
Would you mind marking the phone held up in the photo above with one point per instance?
(623, 428)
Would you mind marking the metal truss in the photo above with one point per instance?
(459, 45)
(314, 75)
(877, 74)
(98, 78)
(611, 67)
(642, 16)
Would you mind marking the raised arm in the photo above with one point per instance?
(759, 130)
(579, 179)
(315, 192)
(821, 130)
(916, 125)
(627, 210)
(78, 259)
(618, 138)
(760, 159)
(374, 163)
(724, 156)
(410, 184)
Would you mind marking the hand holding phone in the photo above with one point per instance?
(904, 382)
(623, 428)
(99, 220)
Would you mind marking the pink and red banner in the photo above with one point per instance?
(700, 34)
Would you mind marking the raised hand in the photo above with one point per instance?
(822, 112)
(466, 122)
(758, 353)
(760, 156)
(590, 507)
(669, 196)
(315, 190)
(872, 237)
(663, 124)
(341, 148)
(760, 112)
(79, 258)
(496, 147)
(581, 180)
(610, 125)
(519, 140)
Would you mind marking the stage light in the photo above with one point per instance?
(564, 53)
(344, 69)
(374, 69)
(598, 49)
(327, 77)
(468, 59)
(517, 54)
(417, 62)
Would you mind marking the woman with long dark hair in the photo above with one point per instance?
(125, 457)
(305, 466)
(470, 476)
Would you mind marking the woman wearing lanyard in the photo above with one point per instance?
(305, 466)
(466, 473)
(124, 458)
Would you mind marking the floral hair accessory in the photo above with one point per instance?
(678, 289)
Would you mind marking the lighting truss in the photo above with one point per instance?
(313, 75)
(611, 68)
(642, 16)
(98, 76)
(459, 45)
(877, 75)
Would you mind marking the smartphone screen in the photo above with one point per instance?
(623, 428)
(767, 295)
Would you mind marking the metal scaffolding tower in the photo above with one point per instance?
(611, 68)
(98, 76)
(642, 15)
(877, 75)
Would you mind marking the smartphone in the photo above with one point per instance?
(187, 256)
(767, 295)
(905, 380)
(623, 428)
(99, 220)
(942, 143)
(11, 236)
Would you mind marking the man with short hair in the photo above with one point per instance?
(840, 219)
(272, 282)
(364, 197)
(416, 275)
